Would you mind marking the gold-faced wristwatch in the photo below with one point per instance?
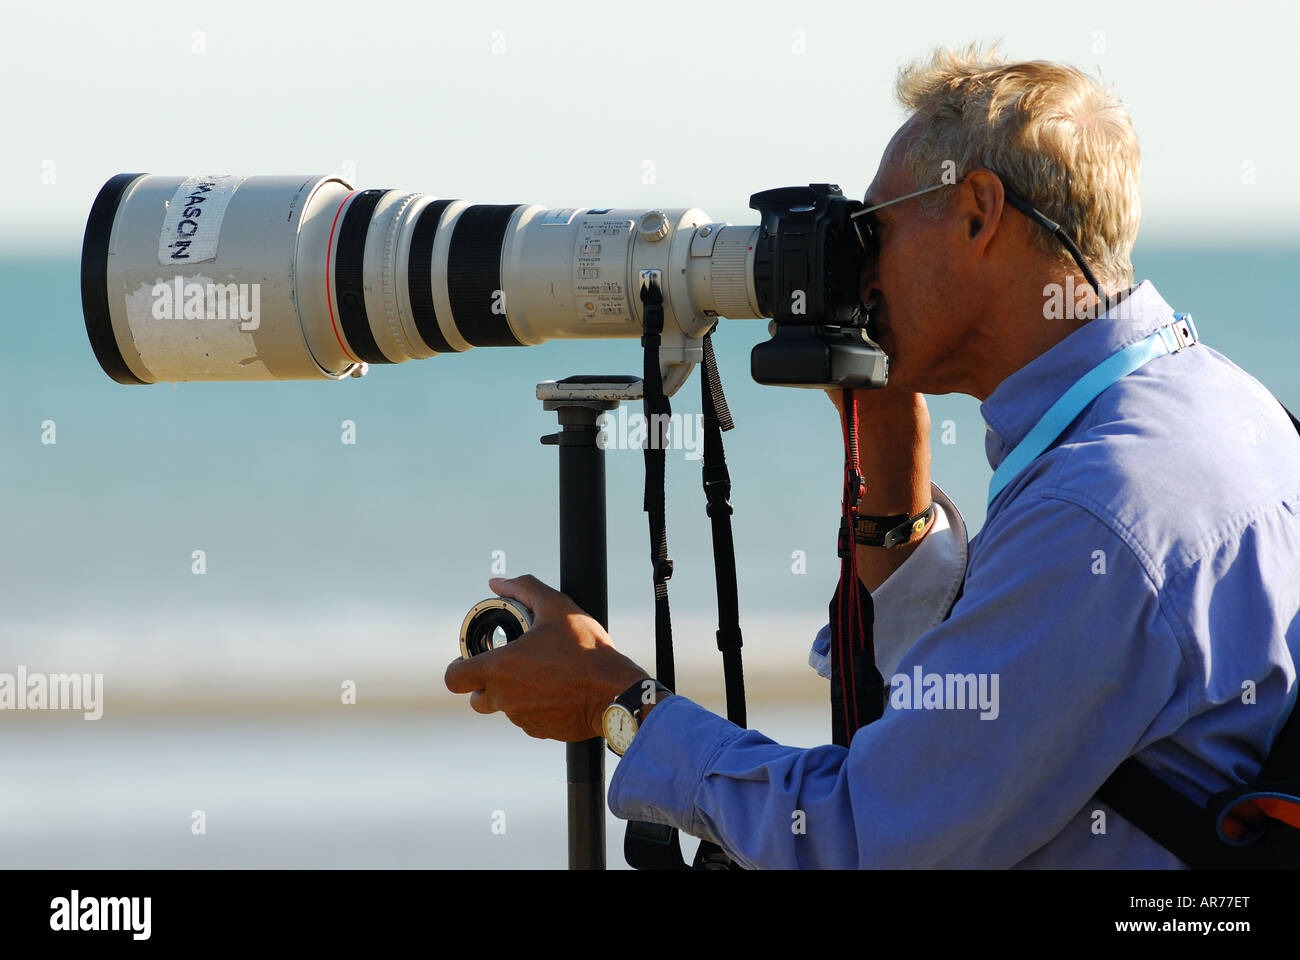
(622, 718)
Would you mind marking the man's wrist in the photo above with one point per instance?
(877, 564)
(891, 530)
(609, 691)
(651, 692)
(656, 695)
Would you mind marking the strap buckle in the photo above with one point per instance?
(903, 532)
(717, 488)
(724, 503)
(857, 486)
(890, 531)
(1179, 333)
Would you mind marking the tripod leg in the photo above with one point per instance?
(584, 577)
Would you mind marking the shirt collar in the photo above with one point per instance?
(1022, 398)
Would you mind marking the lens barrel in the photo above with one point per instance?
(303, 277)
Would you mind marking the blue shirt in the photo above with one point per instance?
(1134, 591)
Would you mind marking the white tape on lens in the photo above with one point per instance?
(192, 223)
(194, 328)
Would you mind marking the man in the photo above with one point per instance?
(1134, 590)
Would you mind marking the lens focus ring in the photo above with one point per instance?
(392, 311)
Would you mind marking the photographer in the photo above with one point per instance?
(1133, 591)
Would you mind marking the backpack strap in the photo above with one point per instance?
(1174, 821)
(1248, 826)
(1253, 826)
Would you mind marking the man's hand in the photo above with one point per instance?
(556, 680)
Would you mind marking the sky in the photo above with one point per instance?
(611, 104)
(563, 105)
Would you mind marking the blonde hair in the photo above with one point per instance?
(1052, 132)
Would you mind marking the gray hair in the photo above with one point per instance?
(1053, 133)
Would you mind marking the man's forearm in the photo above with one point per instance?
(894, 458)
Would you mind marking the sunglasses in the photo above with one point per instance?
(871, 243)
(865, 229)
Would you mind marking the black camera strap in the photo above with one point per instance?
(658, 410)
(857, 689)
(652, 846)
(717, 492)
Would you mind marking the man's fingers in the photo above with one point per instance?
(469, 676)
(465, 676)
(529, 591)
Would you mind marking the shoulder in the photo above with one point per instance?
(1195, 468)
(1180, 459)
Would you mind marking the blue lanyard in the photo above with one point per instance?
(1173, 336)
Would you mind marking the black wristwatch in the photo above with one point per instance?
(890, 531)
(622, 718)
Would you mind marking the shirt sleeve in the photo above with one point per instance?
(1001, 725)
(916, 596)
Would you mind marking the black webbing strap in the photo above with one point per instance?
(657, 410)
(1267, 811)
(857, 689)
(717, 491)
(651, 846)
(1189, 831)
(1171, 819)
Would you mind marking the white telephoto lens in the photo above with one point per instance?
(303, 277)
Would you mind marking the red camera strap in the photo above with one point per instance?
(857, 689)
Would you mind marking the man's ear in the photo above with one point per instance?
(982, 204)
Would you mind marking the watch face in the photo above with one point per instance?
(620, 727)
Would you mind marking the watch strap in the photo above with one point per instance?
(631, 698)
(892, 530)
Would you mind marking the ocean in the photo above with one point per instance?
(327, 563)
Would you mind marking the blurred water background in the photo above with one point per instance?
(328, 563)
